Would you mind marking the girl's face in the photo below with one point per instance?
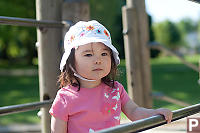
(93, 60)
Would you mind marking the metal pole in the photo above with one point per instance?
(152, 122)
(49, 55)
(32, 22)
(23, 107)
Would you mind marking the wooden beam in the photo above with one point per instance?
(135, 24)
(131, 44)
(49, 55)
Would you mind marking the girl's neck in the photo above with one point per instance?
(89, 84)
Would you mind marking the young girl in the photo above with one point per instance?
(90, 99)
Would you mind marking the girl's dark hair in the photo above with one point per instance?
(67, 76)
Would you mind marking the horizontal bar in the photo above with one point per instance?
(151, 122)
(24, 107)
(161, 96)
(156, 45)
(33, 23)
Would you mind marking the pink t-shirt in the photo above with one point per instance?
(89, 109)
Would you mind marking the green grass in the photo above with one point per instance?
(169, 76)
(19, 90)
(173, 79)
(176, 80)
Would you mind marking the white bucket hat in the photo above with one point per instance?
(87, 32)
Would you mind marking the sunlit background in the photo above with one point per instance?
(174, 24)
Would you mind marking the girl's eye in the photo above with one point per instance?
(104, 54)
(88, 55)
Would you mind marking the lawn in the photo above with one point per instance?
(169, 76)
(176, 80)
(172, 78)
(19, 90)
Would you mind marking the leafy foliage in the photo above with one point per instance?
(168, 34)
(17, 42)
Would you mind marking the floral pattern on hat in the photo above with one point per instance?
(90, 27)
(72, 38)
(82, 34)
(106, 33)
(98, 31)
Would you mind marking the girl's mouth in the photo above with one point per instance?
(97, 69)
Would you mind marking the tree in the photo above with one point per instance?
(17, 43)
(186, 25)
(167, 34)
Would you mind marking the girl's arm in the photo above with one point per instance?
(58, 125)
(134, 112)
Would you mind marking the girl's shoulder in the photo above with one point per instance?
(69, 91)
(118, 85)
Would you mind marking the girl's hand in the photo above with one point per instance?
(166, 113)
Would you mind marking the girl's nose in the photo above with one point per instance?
(98, 60)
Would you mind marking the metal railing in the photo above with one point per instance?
(41, 24)
(33, 23)
(29, 23)
(151, 122)
(24, 107)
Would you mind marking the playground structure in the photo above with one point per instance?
(50, 27)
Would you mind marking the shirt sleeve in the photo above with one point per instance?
(59, 108)
(124, 96)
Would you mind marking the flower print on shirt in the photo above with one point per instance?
(106, 95)
(91, 130)
(107, 107)
(111, 100)
(115, 108)
(117, 97)
(117, 117)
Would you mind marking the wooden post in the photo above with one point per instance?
(135, 25)
(75, 10)
(131, 43)
(49, 54)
